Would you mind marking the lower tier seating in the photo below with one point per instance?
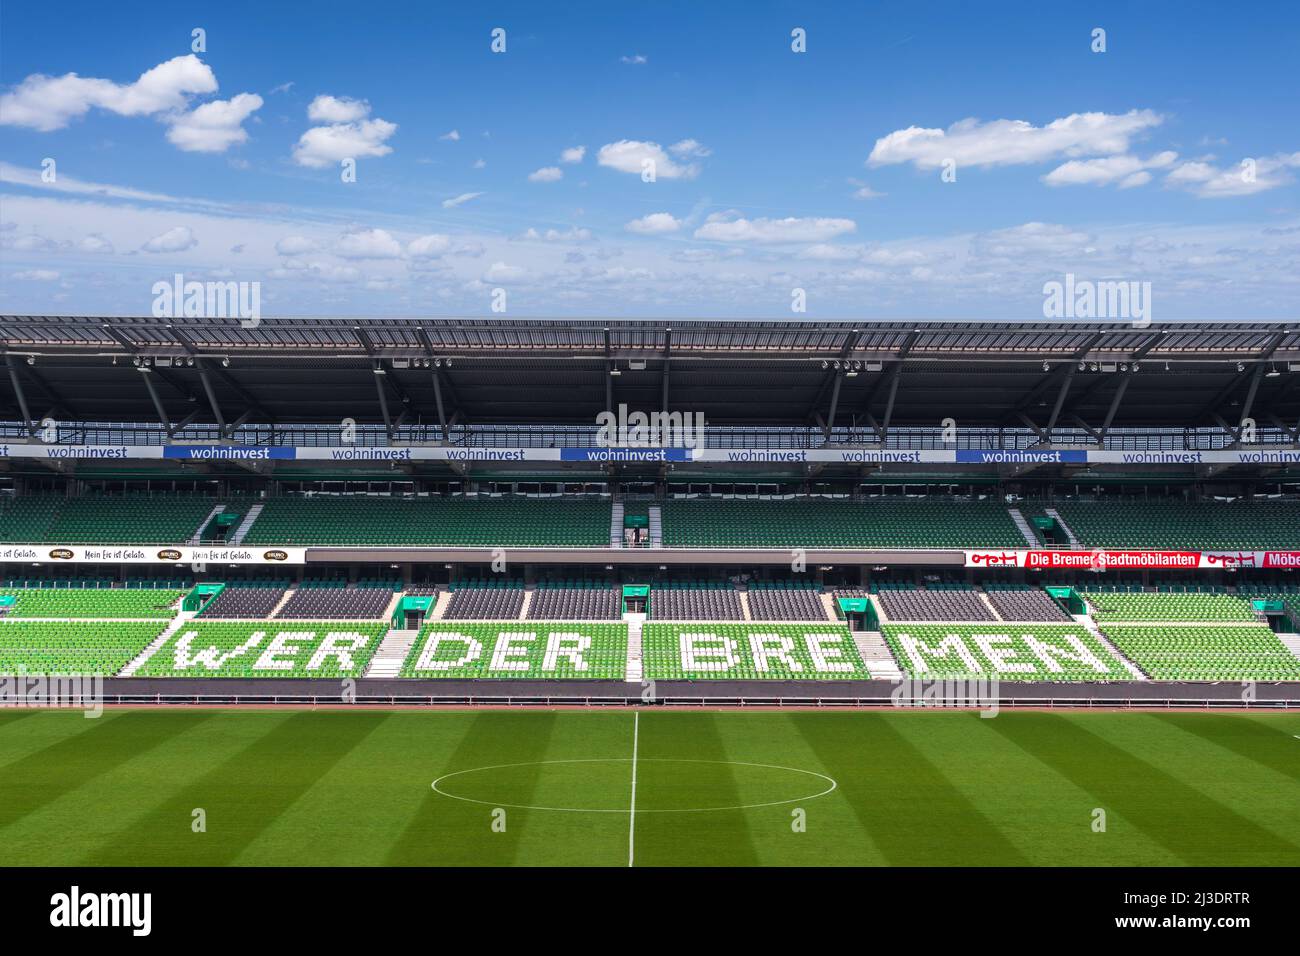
(707, 651)
(1049, 652)
(932, 604)
(92, 602)
(695, 602)
(1193, 652)
(1164, 606)
(266, 649)
(1022, 603)
(72, 647)
(515, 649)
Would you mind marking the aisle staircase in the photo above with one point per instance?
(391, 653)
(656, 526)
(1026, 529)
(616, 525)
(876, 656)
(1292, 643)
(634, 669)
(1075, 545)
(181, 619)
(244, 525)
(1104, 641)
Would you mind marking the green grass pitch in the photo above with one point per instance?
(354, 787)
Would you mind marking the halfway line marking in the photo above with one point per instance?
(631, 822)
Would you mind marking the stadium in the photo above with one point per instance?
(647, 589)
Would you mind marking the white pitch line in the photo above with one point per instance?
(631, 821)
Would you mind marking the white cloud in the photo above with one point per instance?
(1207, 181)
(1128, 171)
(657, 223)
(726, 227)
(1033, 240)
(337, 109)
(176, 239)
(451, 136)
(24, 176)
(500, 272)
(460, 200)
(629, 155)
(480, 163)
(1004, 142)
(866, 192)
(689, 147)
(96, 242)
(37, 275)
(367, 244)
(573, 154)
(214, 127)
(48, 103)
(349, 136)
(547, 174)
(827, 253)
(635, 59)
(296, 246)
(431, 246)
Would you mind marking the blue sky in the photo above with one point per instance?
(775, 170)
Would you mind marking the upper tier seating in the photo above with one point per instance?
(569, 649)
(322, 601)
(1167, 606)
(785, 601)
(1019, 602)
(486, 600)
(936, 603)
(1261, 524)
(251, 601)
(74, 602)
(838, 523)
(691, 601)
(75, 647)
(25, 519)
(1195, 652)
(576, 601)
(107, 519)
(481, 522)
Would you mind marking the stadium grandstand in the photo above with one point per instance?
(599, 504)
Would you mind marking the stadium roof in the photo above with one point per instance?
(741, 372)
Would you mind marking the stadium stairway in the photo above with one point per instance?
(528, 603)
(744, 603)
(1091, 625)
(440, 606)
(1023, 526)
(245, 524)
(1292, 643)
(828, 602)
(616, 525)
(181, 619)
(391, 653)
(989, 604)
(633, 671)
(876, 656)
(656, 526)
(284, 599)
(197, 536)
(1075, 544)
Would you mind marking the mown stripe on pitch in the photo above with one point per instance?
(905, 802)
(1258, 743)
(715, 838)
(244, 794)
(1178, 817)
(10, 716)
(448, 831)
(40, 778)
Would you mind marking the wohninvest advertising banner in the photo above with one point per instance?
(734, 456)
